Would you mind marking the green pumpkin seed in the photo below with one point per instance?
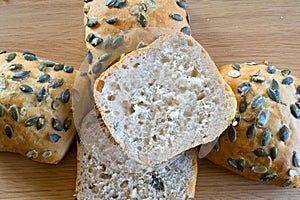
(9, 131)
(67, 124)
(287, 81)
(152, 3)
(257, 102)
(14, 113)
(31, 121)
(288, 182)
(47, 154)
(106, 42)
(2, 110)
(232, 134)
(284, 133)
(263, 118)
(182, 4)
(18, 76)
(56, 83)
(176, 17)
(92, 22)
(271, 69)
(244, 88)
(2, 51)
(29, 56)
(232, 162)
(243, 106)
(56, 103)
(43, 78)
(157, 184)
(3, 83)
(261, 152)
(274, 153)
(296, 159)
(56, 124)
(259, 169)
(96, 41)
(286, 72)
(54, 137)
(42, 94)
(110, 2)
(15, 66)
(32, 154)
(142, 19)
(90, 37)
(217, 146)
(58, 67)
(295, 111)
(113, 20)
(293, 172)
(120, 3)
(104, 57)
(65, 95)
(274, 95)
(97, 67)
(41, 121)
(251, 131)
(269, 177)
(186, 30)
(68, 69)
(234, 73)
(241, 165)
(89, 56)
(266, 137)
(26, 88)
(236, 66)
(10, 57)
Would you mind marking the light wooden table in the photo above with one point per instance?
(231, 31)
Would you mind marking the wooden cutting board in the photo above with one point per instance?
(230, 30)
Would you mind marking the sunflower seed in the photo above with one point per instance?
(29, 56)
(269, 177)
(96, 41)
(15, 66)
(2, 110)
(157, 184)
(232, 162)
(259, 169)
(31, 121)
(142, 19)
(56, 124)
(286, 72)
(47, 64)
(10, 57)
(9, 131)
(296, 159)
(293, 172)
(104, 57)
(241, 165)
(287, 81)
(3, 83)
(188, 18)
(232, 134)
(67, 124)
(251, 63)
(106, 42)
(234, 73)
(263, 118)
(81, 73)
(58, 67)
(284, 133)
(26, 88)
(68, 68)
(298, 90)
(56, 103)
(251, 131)
(274, 95)
(152, 3)
(113, 20)
(176, 17)
(41, 121)
(90, 37)
(65, 95)
(141, 44)
(236, 66)
(110, 2)
(86, 9)
(258, 79)
(237, 119)
(261, 152)
(18, 76)
(288, 182)
(243, 106)
(295, 111)
(14, 113)
(89, 56)
(2, 51)
(271, 69)
(181, 3)
(92, 22)
(43, 78)
(144, 7)
(186, 30)
(266, 137)
(97, 67)
(54, 137)
(274, 153)
(217, 146)
(120, 3)
(56, 83)
(32, 154)
(257, 102)
(244, 88)
(42, 94)
(47, 154)
(118, 41)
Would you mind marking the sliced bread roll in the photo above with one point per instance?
(106, 172)
(164, 99)
(264, 144)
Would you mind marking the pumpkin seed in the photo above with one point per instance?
(297, 104)
(47, 154)
(152, 3)
(106, 42)
(236, 66)
(41, 121)
(29, 56)
(182, 4)
(31, 121)
(42, 94)
(261, 152)
(14, 113)
(2, 51)
(186, 30)
(287, 81)
(296, 159)
(90, 37)
(295, 111)
(113, 20)
(241, 165)
(56, 124)
(274, 95)
(144, 7)
(26, 88)
(56, 83)
(65, 95)
(286, 72)
(92, 22)
(67, 124)
(10, 57)
(269, 177)
(243, 106)
(217, 146)
(97, 67)
(58, 67)
(43, 78)
(266, 137)
(263, 118)
(96, 41)
(251, 131)
(273, 153)
(232, 162)
(89, 56)
(234, 73)
(15, 66)
(2, 110)
(120, 3)
(232, 134)
(176, 17)
(118, 41)
(271, 69)
(141, 44)
(18, 76)
(104, 57)
(293, 172)
(244, 88)
(3, 83)
(142, 19)
(54, 137)
(259, 169)
(237, 119)
(110, 2)
(9, 131)
(47, 64)
(257, 102)
(32, 154)
(288, 182)
(68, 69)
(284, 133)
(157, 184)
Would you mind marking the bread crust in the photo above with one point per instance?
(281, 169)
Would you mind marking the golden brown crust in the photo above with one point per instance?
(240, 152)
(31, 113)
(127, 27)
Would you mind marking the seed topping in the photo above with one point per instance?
(287, 81)
(266, 137)
(284, 133)
(118, 41)
(31, 121)
(186, 30)
(43, 78)
(26, 88)
(9, 131)
(113, 20)
(296, 159)
(261, 152)
(263, 118)
(257, 102)
(182, 4)
(271, 69)
(15, 66)
(14, 113)
(10, 57)
(18, 76)
(56, 124)
(274, 153)
(56, 83)
(42, 94)
(251, 131)
(41, 121)
(176, 17)
(92, 22)
(65, 95)
(244, 88)
(232, 134)
(142, 19)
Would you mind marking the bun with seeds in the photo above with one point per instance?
(36, 113)
(263, 143)
(115, 27)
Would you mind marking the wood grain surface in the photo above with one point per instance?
(230, 30)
